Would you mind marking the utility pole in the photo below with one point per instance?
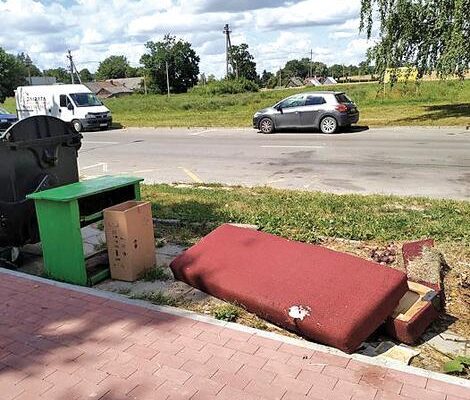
(69, 56)
(73, 69)
(280, 76)
(167, 79)
(228, 45)
(311, 63)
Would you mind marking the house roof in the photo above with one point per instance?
(111, 87)
(130, 83)
(330, 81)
(312, 81)
(295, 81)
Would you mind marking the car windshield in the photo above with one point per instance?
(3, 111)
(85, 100)
(294, 101)
(342, 98)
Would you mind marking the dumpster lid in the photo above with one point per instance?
(40, 128)
(84, 188)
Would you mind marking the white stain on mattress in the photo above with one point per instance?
(299, 312)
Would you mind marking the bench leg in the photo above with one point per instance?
(61, 238)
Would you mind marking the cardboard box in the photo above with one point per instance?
(130, 239)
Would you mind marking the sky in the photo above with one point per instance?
(275, 30)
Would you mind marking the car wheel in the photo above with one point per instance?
(328, 125)
(266, 125)
(77, 125)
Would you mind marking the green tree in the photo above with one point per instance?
(113, 67)
(28, 67)
(430, 35)
(60, 74)
(183, 64)
(11, 74)
(336, 70)
(365, 68)
(265, 78)
(352, 70)
(86, 75)
(297, 68)
(319, 69)
(243, 63)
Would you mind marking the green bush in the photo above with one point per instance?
(227, 312)
(226, 86)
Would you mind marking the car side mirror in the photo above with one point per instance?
(279, 108)
(70, 106)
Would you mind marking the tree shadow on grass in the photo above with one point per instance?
(439, 112)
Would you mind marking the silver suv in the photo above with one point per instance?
(326, 111)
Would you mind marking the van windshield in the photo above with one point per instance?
(85, 100)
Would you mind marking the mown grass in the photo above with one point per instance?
(429, 103)
(309, 216)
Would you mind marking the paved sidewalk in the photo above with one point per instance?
(59, 343)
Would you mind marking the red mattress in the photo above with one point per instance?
(323, 295)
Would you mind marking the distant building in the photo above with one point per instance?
(42, 80)
(329, 80)
(134, 84)
(313, 81)
(294, 82)
(107, 89)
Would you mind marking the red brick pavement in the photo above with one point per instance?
(58, 343)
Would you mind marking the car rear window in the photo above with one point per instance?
(342, 98)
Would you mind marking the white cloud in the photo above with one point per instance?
(275, 30)
(308, 13)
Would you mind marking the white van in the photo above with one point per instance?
(71, 103)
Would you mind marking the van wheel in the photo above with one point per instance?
(266, 125)
(77, 125)
(328, 125)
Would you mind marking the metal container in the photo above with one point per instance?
(36, 153)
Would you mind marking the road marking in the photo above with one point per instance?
(101, 164)
(192, 175)
(201, 132)
(96, 142)
(291, 147)
(144, 171)
(275, 181)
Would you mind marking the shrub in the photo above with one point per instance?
(226, 86)
(227, 312)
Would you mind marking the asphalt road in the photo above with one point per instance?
(403, 161)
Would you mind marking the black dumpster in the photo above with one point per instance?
(36, 153)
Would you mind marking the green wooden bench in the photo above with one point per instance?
(64, 210)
